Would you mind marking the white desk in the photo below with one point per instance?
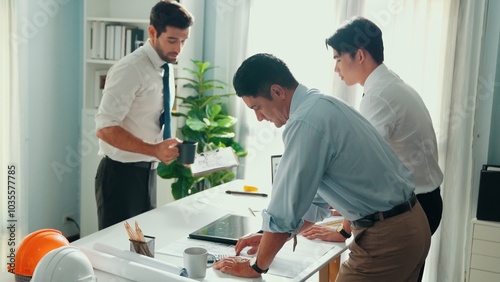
(176, 220)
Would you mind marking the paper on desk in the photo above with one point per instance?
(286, 263)
(231, 206)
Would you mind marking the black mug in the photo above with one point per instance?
(187, 151)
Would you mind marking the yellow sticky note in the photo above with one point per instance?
(248, 188)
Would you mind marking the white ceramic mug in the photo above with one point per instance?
(196, 261)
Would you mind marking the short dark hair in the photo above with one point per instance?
(257, 73)
(169, 13)
(358, 33)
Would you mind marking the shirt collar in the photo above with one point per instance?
(375, 76)
(153, 56)
(299, 95)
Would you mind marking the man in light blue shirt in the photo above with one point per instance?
(332, 157)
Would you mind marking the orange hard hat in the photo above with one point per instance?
(33, 248)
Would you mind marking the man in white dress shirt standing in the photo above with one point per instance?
(128, 123)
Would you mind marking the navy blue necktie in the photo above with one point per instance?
(165, 117)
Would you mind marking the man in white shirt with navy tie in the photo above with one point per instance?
(128, 126)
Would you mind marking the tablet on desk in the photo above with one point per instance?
(227, 229)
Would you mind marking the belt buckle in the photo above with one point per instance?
(363, 223)
(154, 165)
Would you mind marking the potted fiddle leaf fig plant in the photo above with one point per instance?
(206, 122)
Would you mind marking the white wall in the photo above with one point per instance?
(49, 39)
(494, 89)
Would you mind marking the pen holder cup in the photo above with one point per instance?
(144, 248)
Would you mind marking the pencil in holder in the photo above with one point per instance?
(146, 248)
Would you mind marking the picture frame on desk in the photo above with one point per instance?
(99, 82)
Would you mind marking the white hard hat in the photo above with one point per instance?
(64, 264)
(32, 249)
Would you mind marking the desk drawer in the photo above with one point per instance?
(485, 263)
(486, 248)
(483, 276)
(488, 233)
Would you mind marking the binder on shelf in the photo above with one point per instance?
(212, 161)
(136, 37)
(101, 44)
(110, 39)
(130, 35)
(123, 41)
(117, 53)
(94, 39)
(128, 40)
(489, 193)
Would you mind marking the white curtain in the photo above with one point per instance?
(13, 214)
(460, 93)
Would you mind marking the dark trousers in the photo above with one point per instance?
(432, 204)
(123, 190)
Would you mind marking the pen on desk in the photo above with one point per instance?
(246, 193)
(250, 209)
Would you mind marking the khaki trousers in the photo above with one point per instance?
(393, 249)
